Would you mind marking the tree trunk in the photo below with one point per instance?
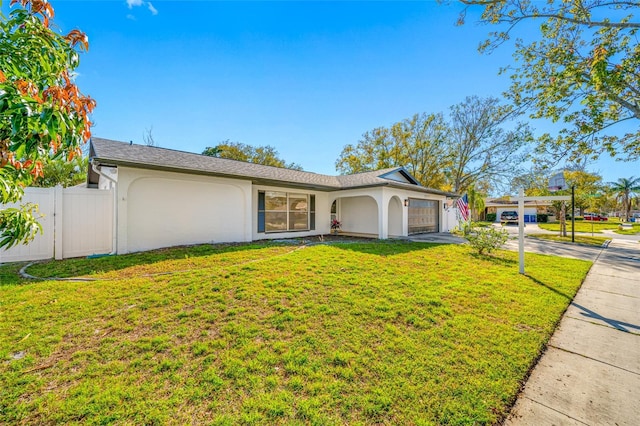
(563, 220)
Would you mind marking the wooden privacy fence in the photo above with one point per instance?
(75, 222)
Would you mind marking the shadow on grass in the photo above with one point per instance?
(494, 258)
(385, 247)
(588, 313)
(10, 274)
(84, 266)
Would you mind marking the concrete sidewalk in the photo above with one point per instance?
(590, 372)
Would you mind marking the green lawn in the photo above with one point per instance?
(587, 226)
(361, 333)
(580, 239)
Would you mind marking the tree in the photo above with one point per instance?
(625, 190)
(481, 147)
(582, 71)
(586, 187)
(418, 143)
(147, 137)
(42, 111)
(476, 201)
(265, 155)
(61, 172)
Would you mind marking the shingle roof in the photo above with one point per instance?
(109, 152)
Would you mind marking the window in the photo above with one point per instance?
(283, 211)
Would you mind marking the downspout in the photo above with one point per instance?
(114, 241)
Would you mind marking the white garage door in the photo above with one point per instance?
(423, 216)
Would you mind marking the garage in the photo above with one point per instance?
(423, 216)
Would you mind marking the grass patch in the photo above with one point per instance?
(579, 239)
(388, 333)
(588, 226)
(635, 229)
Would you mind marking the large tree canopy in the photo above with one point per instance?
(582, 70)
(265, 155)
(42, 112)
(479, 145)
(485, 142)
(418, 143)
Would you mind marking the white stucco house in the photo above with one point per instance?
(166, 198)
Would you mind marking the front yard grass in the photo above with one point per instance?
(595, 227)
(362, 333)
(587, 226)
(580, 239)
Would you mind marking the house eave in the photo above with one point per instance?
(255, 181)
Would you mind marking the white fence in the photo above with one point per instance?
(75, 222)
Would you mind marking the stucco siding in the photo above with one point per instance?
(359, 215)
(162, 209)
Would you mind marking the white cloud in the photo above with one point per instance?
(152, 9)
(132, 3)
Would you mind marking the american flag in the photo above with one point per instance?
(463, 207)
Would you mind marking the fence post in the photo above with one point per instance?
(58, 220)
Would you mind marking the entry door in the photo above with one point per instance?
(423, 216)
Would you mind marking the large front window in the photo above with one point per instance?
(283, 211)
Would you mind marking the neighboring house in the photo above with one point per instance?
(166, 198)
(531, 208)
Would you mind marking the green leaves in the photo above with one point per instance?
(582, 72)
(265, 155)
(42, 112)
(472, 146)
(18, 224)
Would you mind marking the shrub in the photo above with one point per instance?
(491, 217)
(542, 218)
(487, 239)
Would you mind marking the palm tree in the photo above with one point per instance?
(625, 190)
(476, 201)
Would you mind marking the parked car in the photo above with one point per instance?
(594, 217)
(509, 216)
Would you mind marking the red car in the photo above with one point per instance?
(595, 217)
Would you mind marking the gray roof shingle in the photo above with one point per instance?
(109, 152)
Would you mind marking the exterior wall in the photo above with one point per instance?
(158, 209)
(395, 217)
(323, 214)
(382, 197)
(359, 214)
(162, 209)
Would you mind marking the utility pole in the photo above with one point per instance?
(573, 214)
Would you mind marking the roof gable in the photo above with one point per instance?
(400, 175)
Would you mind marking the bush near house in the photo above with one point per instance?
(491, 217)
(542, 218)
(360, 333)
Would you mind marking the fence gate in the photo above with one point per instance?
(75, 222)
(423, 216)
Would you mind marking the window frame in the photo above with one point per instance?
(263, 212)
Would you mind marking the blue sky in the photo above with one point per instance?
(305, 77)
